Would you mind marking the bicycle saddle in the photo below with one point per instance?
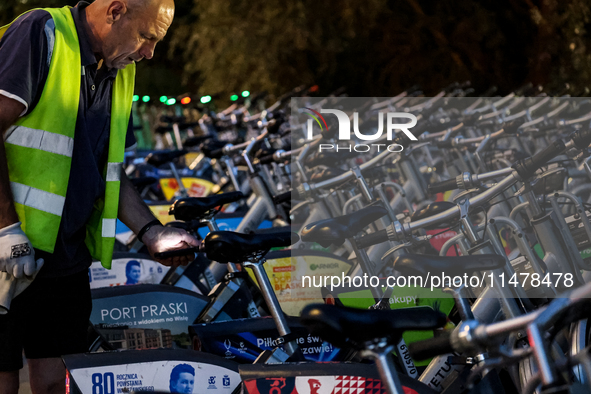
(192, 208)
(349, 327)
(213, 148)
(334, 231)
(326, 173)
(226, 246)
(141, 182)
(433, 209)
(160, 158)
(416, 264)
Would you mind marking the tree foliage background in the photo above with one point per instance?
(373, 47)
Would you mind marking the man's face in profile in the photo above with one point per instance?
(184, 383)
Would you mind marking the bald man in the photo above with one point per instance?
(49, 318)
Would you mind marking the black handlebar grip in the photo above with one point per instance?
(194, 141)
(175, 253)
(188, 125)
(172, 119)
(372, 239)
(513, 126)
(216, 154)
(283, 197)
(447, 144)
(582, 138)
(266, 159)
(274, 125)
(443, 186)
(163, 129)
(526, 168)
(429, 348)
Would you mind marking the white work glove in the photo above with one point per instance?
(17, 256)
(10, 287)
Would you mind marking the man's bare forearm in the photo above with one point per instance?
(9, 112)
(133, 211)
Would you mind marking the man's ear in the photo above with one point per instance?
(115, 11)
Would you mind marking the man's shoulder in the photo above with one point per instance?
(32, 18)
(30, 24)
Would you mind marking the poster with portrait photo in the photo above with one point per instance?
(127, 269)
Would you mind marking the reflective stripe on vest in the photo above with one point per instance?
(40, 139)
(109, 227)
(114, 172)
(38, 199)
(39, 148)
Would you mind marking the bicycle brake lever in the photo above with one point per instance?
(395, 249)
(300, 205)
(415, 242)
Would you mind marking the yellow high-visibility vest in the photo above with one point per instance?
(39, 148)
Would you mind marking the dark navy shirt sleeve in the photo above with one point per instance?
(25, 54)
(130, 137)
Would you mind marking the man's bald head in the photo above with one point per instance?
(124, 31)
(133, 6)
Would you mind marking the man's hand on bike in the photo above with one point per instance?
(163, 239)
(17, 256)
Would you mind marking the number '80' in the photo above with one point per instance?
(103, 383)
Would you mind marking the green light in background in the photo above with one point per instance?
(163, 99)
(205, 99)
(171, 101)
(145, 99)
(234, 97)
(246, 93)
(135, 97)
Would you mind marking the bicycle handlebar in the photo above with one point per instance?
(452, 213)
(194, 141)
(216, 154)
(175, 253)
(267, 159)
(443, 186)
(372, 239)
(477, 337)
(172, 119)
(230, 149)
(526, 168)
(349, 175)
(430, 348)
(467, 180)
(476, 140)
(283, 197)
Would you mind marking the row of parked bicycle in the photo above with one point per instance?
(452, 251)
